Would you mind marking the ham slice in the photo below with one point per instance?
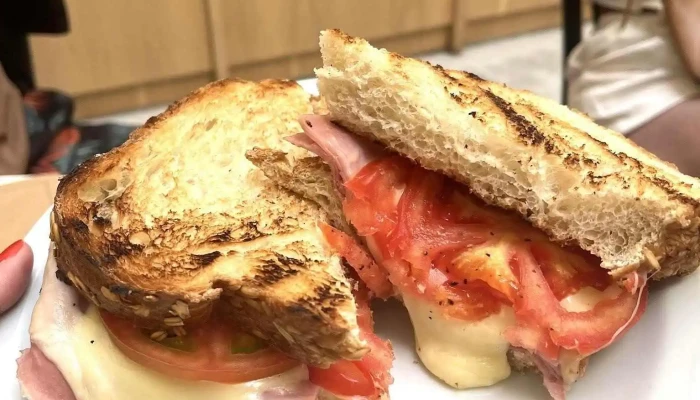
(344, 152)
(553, 380)
(39, 377)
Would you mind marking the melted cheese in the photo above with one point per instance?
(587, 297)
(464, 354)
(96, 369)
(571, 364)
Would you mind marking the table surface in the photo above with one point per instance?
(23, 199)
(5, 179)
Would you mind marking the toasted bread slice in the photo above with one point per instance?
(580, 183)
(309, 177)
(177, 219)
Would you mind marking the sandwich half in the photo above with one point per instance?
(180, 271)
(517, 232)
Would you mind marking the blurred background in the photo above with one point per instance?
(89, 71)
(121, 55)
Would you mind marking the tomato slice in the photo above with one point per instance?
(344, 378)
(369, 272)
(437, 241)
(415, 226)
(586, 332)
(206, 355)
(424, 231)
(567, 272)
(366, 376)
(373, 194)
(377, 362)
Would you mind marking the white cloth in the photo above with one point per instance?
(636, 4)
(625, 76)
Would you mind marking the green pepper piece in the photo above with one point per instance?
(244, 343)
(182, 343)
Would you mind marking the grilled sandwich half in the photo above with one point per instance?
(176, 228)
(516, 231)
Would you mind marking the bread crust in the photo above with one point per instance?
(580, 183)
(177, 220)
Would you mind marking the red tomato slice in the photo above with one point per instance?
(415, 230)
(586, 332)
(568, 272)
(378, 361)
(210, 359)
(435, 226)
(374, 192)
(369, 272)
(363, 377)
(423, 232)
(344, 378)
(591, 331)
(472, 301)
(381, 355)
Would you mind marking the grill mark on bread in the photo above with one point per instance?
(223, 236)
(572, 160)
(527, 131)
(474, 76)
(95, 262)
(117, 249)
(202, 260)
(120, 249)
(272, 272)
(288, 261)
(598, 180)
(79, 226)
(646, 172)
(327, 298)
(252, 233)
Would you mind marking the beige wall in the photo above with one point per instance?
(131, 53)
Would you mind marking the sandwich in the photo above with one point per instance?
(517, 232)
(180, 271)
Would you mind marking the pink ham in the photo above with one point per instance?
(38, 376)
(344, 152)
(553, 380)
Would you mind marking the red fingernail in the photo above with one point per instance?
(12, 250)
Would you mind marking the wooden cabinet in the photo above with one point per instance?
(126, 54)
(277, 28)
(483, 20)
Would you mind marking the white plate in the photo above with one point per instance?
(658, 359)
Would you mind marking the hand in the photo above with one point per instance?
(16, 264)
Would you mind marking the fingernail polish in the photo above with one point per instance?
(12, 250)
